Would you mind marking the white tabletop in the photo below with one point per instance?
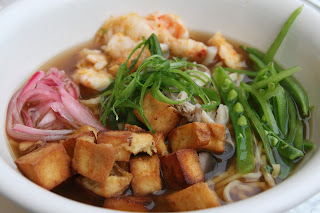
(311, 205)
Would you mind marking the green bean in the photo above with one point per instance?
(257, 125)
(268, 115)
(268, 57)
(276, 78)
(280, 107)
(245, 160)
(298, 140)
(308, 145)
(246, 72)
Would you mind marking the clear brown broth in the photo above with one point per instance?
(67, 61)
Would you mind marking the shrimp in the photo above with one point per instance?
(119, 48)
(91, 70)
(189, 48)
(131, 25)
(169, 23)
(226, 51)
(168, 27)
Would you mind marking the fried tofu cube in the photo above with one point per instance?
(133, 128)
(142, 142)
(114, 185)
(119, 140)
(26, 147)
(146, 175)
(83, 129)
(125, 143)
(70, 143)
(200, 136)
(195, 197)
(130, 203)
(93, 161)
(47, 166)
(181, 168)
(162, 116)
(161, 146)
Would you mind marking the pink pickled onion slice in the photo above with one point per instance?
(78, 111)
(47, 108)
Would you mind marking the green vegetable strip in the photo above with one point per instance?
(273, 93)
(262, 72)
(280, 106)
(268, 115)
(276, 78)
(284, 149)
(298, 140)
(245, 161)
(253, 51)
(292, 111)
(257, 125)
(298, 93)
(308, 145)
(268, 57)
(257, 61)
(246, 72)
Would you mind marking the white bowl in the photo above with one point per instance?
(34, 31)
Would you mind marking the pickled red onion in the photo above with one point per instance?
(47, 108)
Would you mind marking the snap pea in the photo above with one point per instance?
(280, 107)
(298, 140)
(268, 115)
(268, 57)
(257, 124)
(284, 149)
(292, 111)
(259, 64)
(272, 93)
(308, 145)
(276, 78)
(298, 93)
(245, 160)
(248, 73)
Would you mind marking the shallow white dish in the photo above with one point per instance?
(34, 31)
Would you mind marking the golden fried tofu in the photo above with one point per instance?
(119, 140)
(226, 51)
(70, 143)
(161, 146)
(129, 203)
(181, 168)
(114, 185)
(146, 175)
(125, 143)
(142, 142)
(133, 128)
(195, 197)
(200, 136)
(93, 161)
(26, 147)
(85, 128)
(162, 116)
(47, 166)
